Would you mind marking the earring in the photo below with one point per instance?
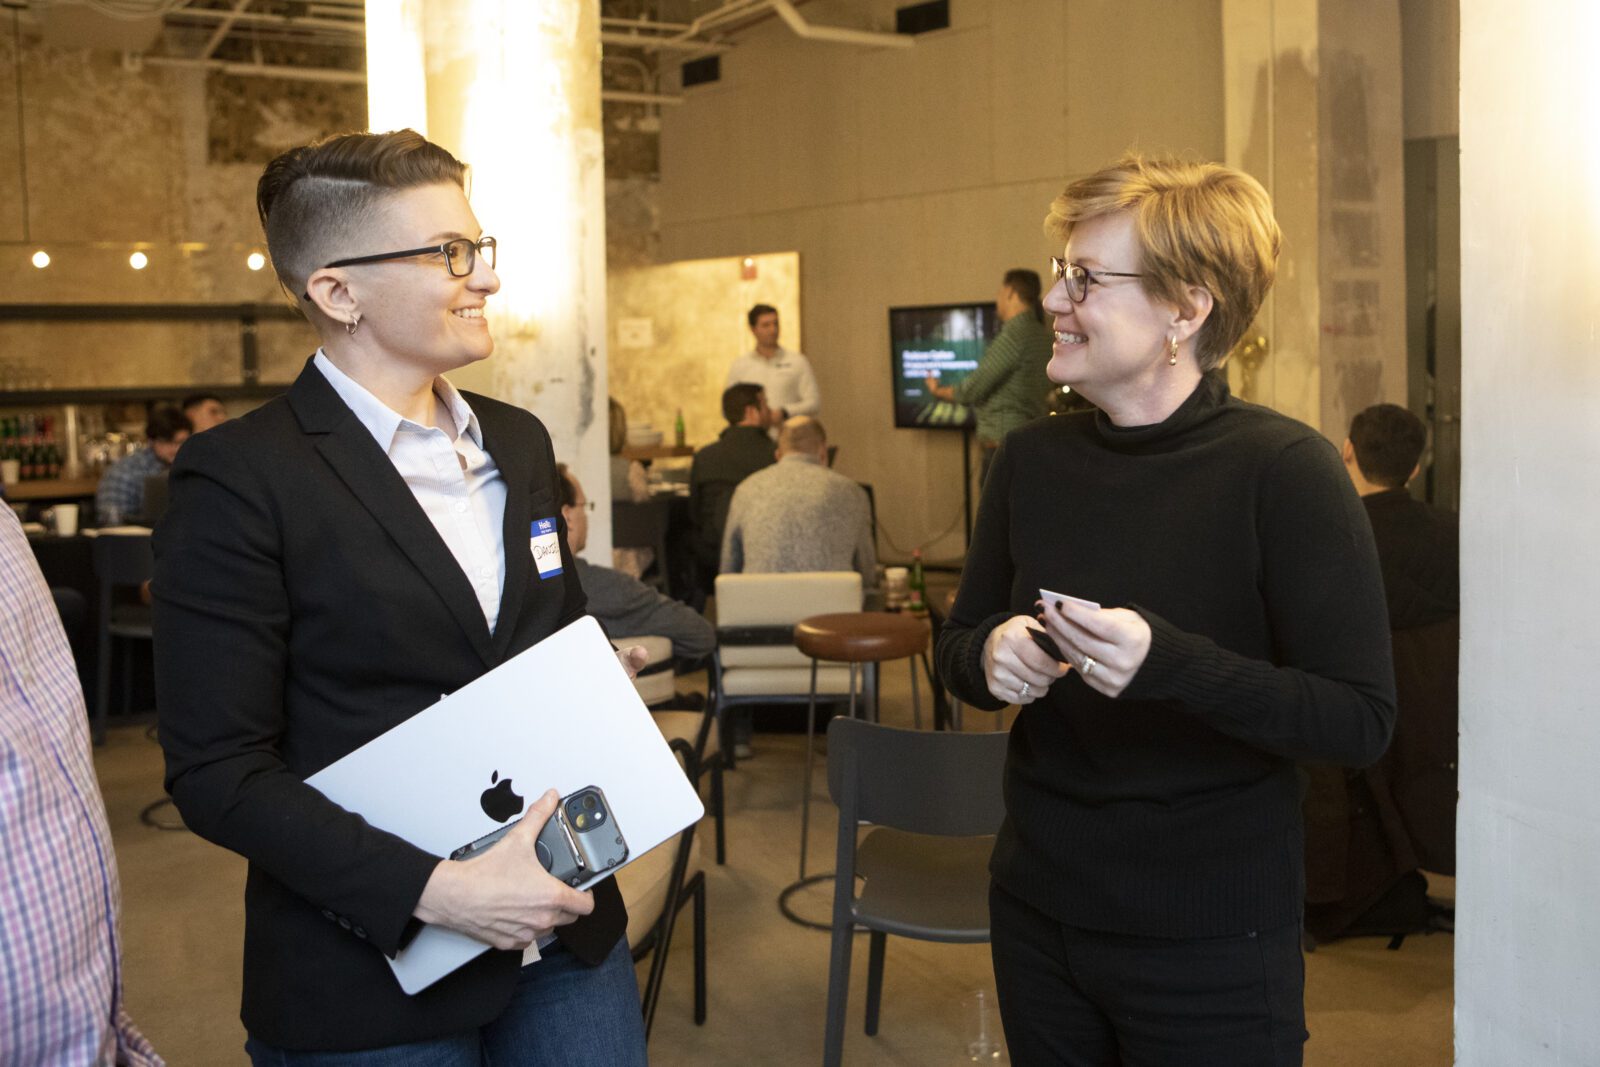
(355, 321)
(1172, 351)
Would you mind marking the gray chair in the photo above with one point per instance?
(935, 804)
(121, 560)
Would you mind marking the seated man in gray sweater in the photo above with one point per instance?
(625, 606)
(797, 515)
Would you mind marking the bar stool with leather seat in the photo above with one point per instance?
(861, 639)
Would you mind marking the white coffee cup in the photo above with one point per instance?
(10, 471)
(66, 519)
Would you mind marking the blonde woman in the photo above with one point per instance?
(1148, 879)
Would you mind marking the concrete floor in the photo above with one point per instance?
(183, 922)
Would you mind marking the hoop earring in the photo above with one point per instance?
(1172, 351)
(350, 327)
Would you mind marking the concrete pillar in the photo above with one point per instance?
(1313, 105)
(513, 89)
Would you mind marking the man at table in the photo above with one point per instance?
(624, 605)
(719, 467)
(786, 376)
(120, 497)
(797, 515)
(205, 410)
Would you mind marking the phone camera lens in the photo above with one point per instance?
(589, 800)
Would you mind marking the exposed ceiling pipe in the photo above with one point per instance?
(802, 28)
(651, 43)
(259, 70)
(344, 77)
(223, 29)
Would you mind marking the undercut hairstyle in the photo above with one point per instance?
(758, 311)
(196, 399)
(567, 493)
(1197, 224)
(802, 434)
(1026, 284)
(1388, 442)
(737, 397)
(166, 422)
(314, 200)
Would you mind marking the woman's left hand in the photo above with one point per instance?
(1106, 646)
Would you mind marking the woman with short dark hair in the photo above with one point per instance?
(330, 564)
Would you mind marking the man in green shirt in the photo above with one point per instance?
(1009, 387)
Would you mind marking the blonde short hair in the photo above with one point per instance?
(1197, 224)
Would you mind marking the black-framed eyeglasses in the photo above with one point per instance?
(460, 256)
(1078, 277)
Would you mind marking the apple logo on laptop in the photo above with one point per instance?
(500, 801)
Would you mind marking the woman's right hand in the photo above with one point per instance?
(1011, 661)
(504, 896)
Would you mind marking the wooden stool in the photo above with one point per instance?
(861, 639)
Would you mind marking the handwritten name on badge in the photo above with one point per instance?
(545, 546)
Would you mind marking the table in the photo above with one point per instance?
(52, 489)
(644, 452)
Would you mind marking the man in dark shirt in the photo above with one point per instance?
(1414, 786)
(1418, 545)
(718, 468)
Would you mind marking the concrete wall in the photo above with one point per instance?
(920, 177)
(118, 158)
(1529, 842)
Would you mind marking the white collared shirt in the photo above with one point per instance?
(787, 377)
(455, 481)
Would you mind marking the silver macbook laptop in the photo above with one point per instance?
(562, 715)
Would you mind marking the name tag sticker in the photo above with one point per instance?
(546, 547)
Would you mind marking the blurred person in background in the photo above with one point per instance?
(205, 410)
(120, 497)
(1010, 387)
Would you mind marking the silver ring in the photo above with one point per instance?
(1088, 666)
(1024, 689)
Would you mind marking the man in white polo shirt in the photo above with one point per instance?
(786, 376)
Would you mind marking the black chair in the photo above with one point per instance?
(935, 804)
(121, 561)
(656, 888)
(643, 524)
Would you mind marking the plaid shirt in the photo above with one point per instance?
(60, 981)
(121, 493)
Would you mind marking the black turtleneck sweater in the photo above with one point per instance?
(1174, 809)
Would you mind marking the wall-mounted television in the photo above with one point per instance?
(944, 341)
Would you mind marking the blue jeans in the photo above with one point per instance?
(563, 1012)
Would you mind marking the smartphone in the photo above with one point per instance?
(1048, 644)
(579, 841)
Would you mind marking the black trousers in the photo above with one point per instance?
(1083, 998)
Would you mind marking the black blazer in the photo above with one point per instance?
(304, 604)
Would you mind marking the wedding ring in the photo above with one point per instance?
(1088, 666)
(1024, 689)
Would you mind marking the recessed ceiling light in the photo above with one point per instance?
(41, 259)
(138, 261)
(255, 261)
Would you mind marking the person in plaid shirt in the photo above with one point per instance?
(120, 497)
(60, 954)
